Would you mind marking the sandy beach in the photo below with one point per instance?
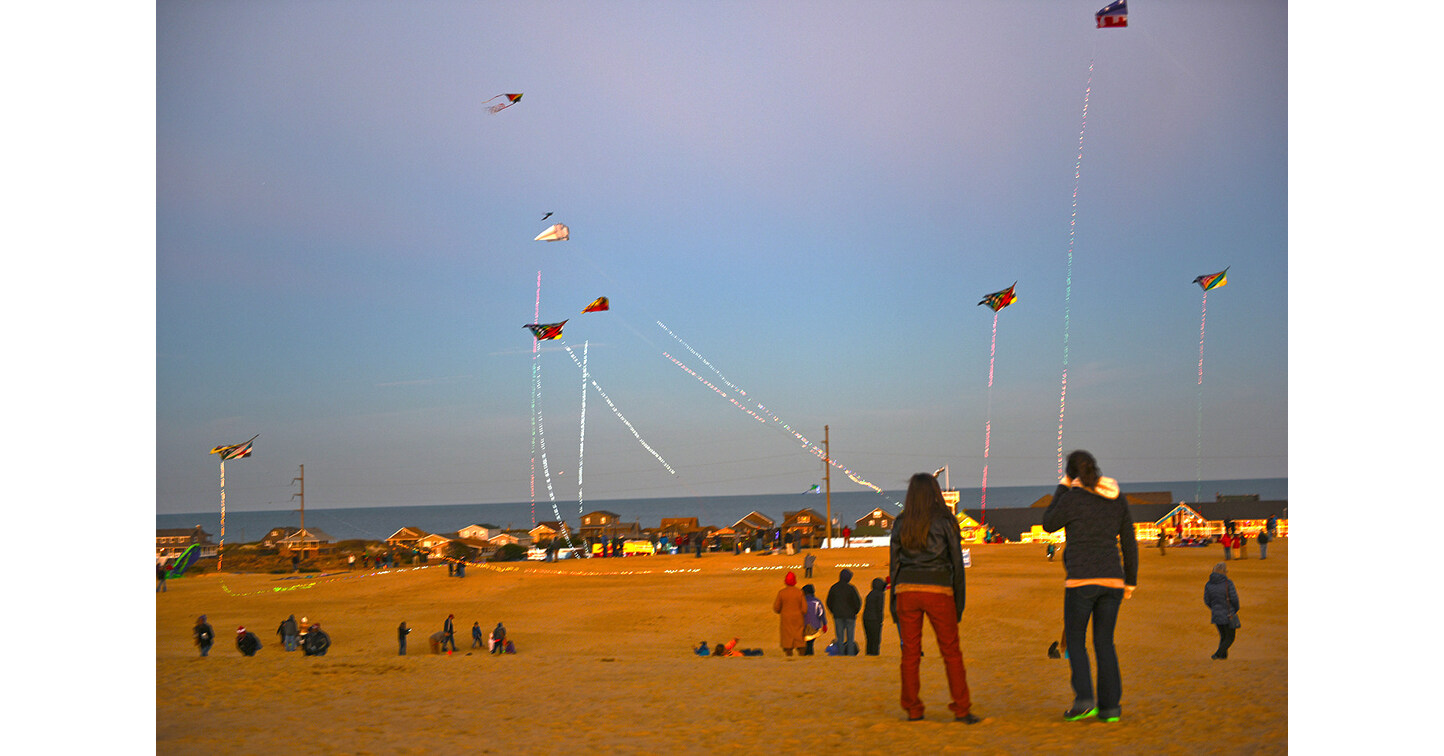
(604, 661)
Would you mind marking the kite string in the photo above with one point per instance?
(535, 385)
(811, 447)
(988, 428)
(1198, 432)
(618, 412)
(582, 448)
(1068, 280)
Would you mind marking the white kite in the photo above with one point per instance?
(558, 232)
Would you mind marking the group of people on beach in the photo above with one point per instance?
(926, 579)
(309, 637)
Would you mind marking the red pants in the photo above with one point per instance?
(940, 611)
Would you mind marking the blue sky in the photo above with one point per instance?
(813, 196)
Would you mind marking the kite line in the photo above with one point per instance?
(811, 447)
(996, 302)
(535, 389)
(1068, 280)
(1206, 282)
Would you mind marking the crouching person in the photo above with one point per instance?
(317, 642)
(247, 642)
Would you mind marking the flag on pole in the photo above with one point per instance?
(235, 451)
(1113, 15)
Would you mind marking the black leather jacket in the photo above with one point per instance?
(939, 562)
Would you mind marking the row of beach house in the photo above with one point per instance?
(1153, 513)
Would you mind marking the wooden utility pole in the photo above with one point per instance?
(302, 494)
(827, 478)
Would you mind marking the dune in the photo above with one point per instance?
(604, 661)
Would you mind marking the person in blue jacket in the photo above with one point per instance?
(814, 619)
(1101, 565)
(1221, 598)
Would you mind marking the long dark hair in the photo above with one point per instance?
(924, 500)
(1083, 468)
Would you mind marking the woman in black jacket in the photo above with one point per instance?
(1101, 560)
(926, 570)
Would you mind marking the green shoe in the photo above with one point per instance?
(1112, 716)
(1073, 715)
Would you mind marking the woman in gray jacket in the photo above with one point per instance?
(1221, 598)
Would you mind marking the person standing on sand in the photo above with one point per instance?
(1227, 540)
(476, 635)
(1263, 545)
(1101, 563)
(1221, 598)
(401, 632)
(844, 602)
(872, 616)
(288, 631)
(205, 636)
(814, 620)
(450, 629)
(1240, 542)
(925, 570)
(790, 605)
(498, 639)
(807, 563)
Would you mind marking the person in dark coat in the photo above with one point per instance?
(872, 616)
(476, 637)
(288, 631)
(450, 629)
(205, 636)
(1221, 598)
(498, 639)
(807, 563)
(1263, 544)
(317, 642)
(247, 642)
(401, 632)
(1101, 563)
(844, 602)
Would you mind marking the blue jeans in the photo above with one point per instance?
(290, 641)
(1263, 550)
(846, 632)
(1101, 605)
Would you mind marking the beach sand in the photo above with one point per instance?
(604, 662)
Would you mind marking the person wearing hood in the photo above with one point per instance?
(814, 618)
(498, 639)
(205, 636)
(247, 642)
(288, 631)
(1221, 598)
(925, 570)
(790, 605)
(1101, 565)
(872, 616)
(844, 602)
(317, 641)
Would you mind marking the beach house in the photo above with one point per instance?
(172, 542)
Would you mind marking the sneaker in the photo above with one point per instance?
(968, 718)
(1111, 715)
(1075, 714)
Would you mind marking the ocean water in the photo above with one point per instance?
(377, 523)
